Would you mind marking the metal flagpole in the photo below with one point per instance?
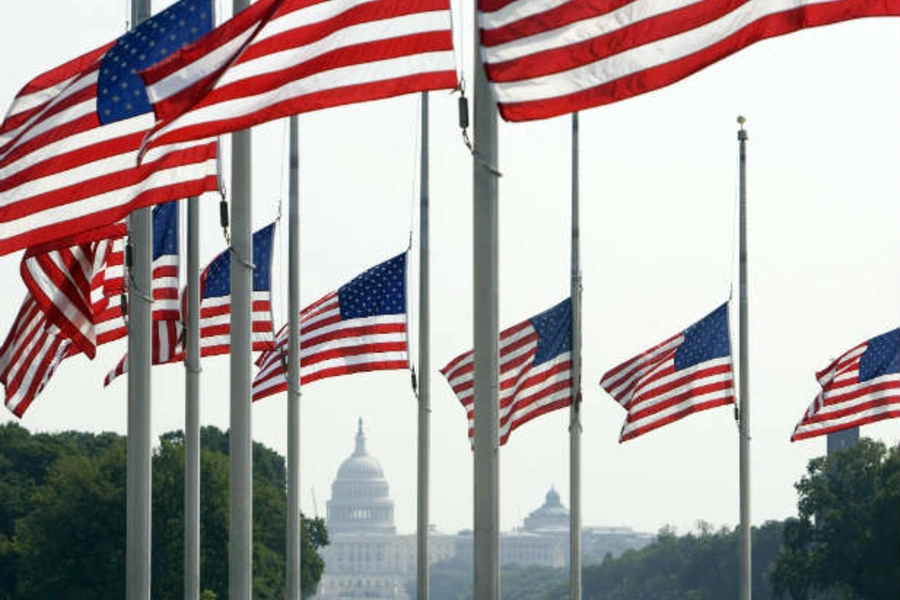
(138, 462)
(486, 338)
(575, 411)
(240, 540)
(293, 584)
(192, 407)
(744, 424)
(424, 384)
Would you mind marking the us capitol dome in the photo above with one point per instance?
(360, 500)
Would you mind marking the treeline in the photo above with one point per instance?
(843, 545)
(62, 518)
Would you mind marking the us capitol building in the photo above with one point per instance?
(368, 559)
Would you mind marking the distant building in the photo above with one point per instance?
(839, 440)
(367, 559)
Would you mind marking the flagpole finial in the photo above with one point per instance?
(742, 133)
(741, 120)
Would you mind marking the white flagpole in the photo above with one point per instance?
(744, 424)
(575, 411)
(486, 338)
(240, 540)
(138, 462)
(192, 407)
(424, 383)
(293, 375)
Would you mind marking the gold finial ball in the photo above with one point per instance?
(741, 120)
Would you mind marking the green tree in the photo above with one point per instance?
(845, 541)
(71, 543)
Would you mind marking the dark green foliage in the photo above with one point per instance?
(62, 518)
(696, 566)
(845, 542)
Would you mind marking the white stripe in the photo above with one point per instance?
(348, 361)
(515, 11)
(108, 200)
(370, 72)
(849, 418)
(197, 70)
(628, 427)
(641, 58)
(649, 385)
(640, 364)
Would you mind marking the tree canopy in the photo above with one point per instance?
(845, 541)
(62, 518)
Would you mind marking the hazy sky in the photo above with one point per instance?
(659, 190)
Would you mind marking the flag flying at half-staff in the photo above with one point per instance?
(215, 298)
(360, 327)
(282, 57)
(862, 386)
(547, 58)
(69, 143)
(685, 374)
(535, 370)
(166, 314)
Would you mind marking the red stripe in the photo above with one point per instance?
(832, 398)
(892, 414)
(686, 378)
(325, 99)
(369, 12)
(362, 350)
(694, 392)
(834, 415)
(354, 331)
(671, 72)
(694, 408)
(572, 12)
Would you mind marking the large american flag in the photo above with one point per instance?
(552, 57)
(861, 386)
(215, 298)
(166, 328)
(69, 143)
(360, 327)
(685, 374)
(282, 57)
(535, 370)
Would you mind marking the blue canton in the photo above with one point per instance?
(218, 274)
(121, 93)
(218, 277)
(379, 291)
(165, 229)
(554, 329)
(705, 340)
(882, 356)
(262, 258)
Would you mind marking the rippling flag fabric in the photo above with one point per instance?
(32, 351)
(535, 370)
(69, 142)
(360, 327)
(166, 328)
(283, 57)
(861, 386)
(687, 373)
(550, 57)
(215, 298)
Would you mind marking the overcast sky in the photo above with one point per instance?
(659, 191)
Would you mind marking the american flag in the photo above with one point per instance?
(552, 57)
(215, 298)
(360, 327)
(861, 386)
(60, 283)
(535, 370)
(69, 143)
(685, 374)
(29, 356)
(166, 312)
(282, 57)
